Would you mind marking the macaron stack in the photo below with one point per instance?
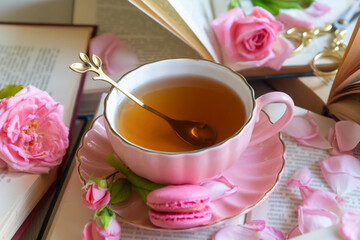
(179, 206)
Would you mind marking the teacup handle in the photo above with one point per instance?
(262, 101)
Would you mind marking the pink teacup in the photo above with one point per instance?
(193, 166)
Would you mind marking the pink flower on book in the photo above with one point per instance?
(305, 130)
(115, 54)
(92, 231)
(33, 137)
(341, 172)
(252, 40)
(95, 197)
(255, 229)
(344, 137)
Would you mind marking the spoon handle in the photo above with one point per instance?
(96, 66)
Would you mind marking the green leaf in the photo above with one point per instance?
(10, 90)
(284, 4)
(116, 164)
(234, 4)
(101, 182)
(103, 221)
(120, 190)
(305, 3)
(142, 193)
(103, 216)
(143, 182)
(273, 9)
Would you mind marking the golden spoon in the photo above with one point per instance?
(195, 133)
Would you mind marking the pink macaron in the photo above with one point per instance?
(179, 206)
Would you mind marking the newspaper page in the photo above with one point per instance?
(279, 210)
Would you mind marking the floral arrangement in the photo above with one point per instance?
(102, 192)
(256, 40)
(33, 137)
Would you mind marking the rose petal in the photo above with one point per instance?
(116, 55)
(302, 126)
(312, 219)
(254, 229)
(293, 232)
(320, 199)
(306, 131)
(271, 233)
(262, 13)
(301, 177)
(347, 135)
(350, 222)
(282, 48)
(317, 9)
(341, 172)
(226, 20)
(292, 20)
(219, 187)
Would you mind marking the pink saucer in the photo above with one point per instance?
(256, 174)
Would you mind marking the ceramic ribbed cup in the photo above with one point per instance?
(194, 166)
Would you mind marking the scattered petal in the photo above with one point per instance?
(344, 137)
(115, 54)
(282, 48)
(350, 222)
(219, 187)
(320, 199)
(301, 177)
(292, 21)
(306, 131)
(254, 229)
(341, 172)
(317, 9)
(312, 219)
(293, 232)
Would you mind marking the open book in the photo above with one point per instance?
(189, 20)
(38, 55)
(339, 97)
(278, 209)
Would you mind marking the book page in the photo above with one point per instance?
(149, 40)
(38, 55)
(165, 11)
(198, 15)
(348, 73)
(280, 208)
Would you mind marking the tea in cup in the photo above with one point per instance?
(185, 89)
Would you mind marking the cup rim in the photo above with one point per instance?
(217, 145)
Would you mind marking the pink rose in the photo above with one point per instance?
(33, 137)
(252, 39)
(95, 197)
(92, 231)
